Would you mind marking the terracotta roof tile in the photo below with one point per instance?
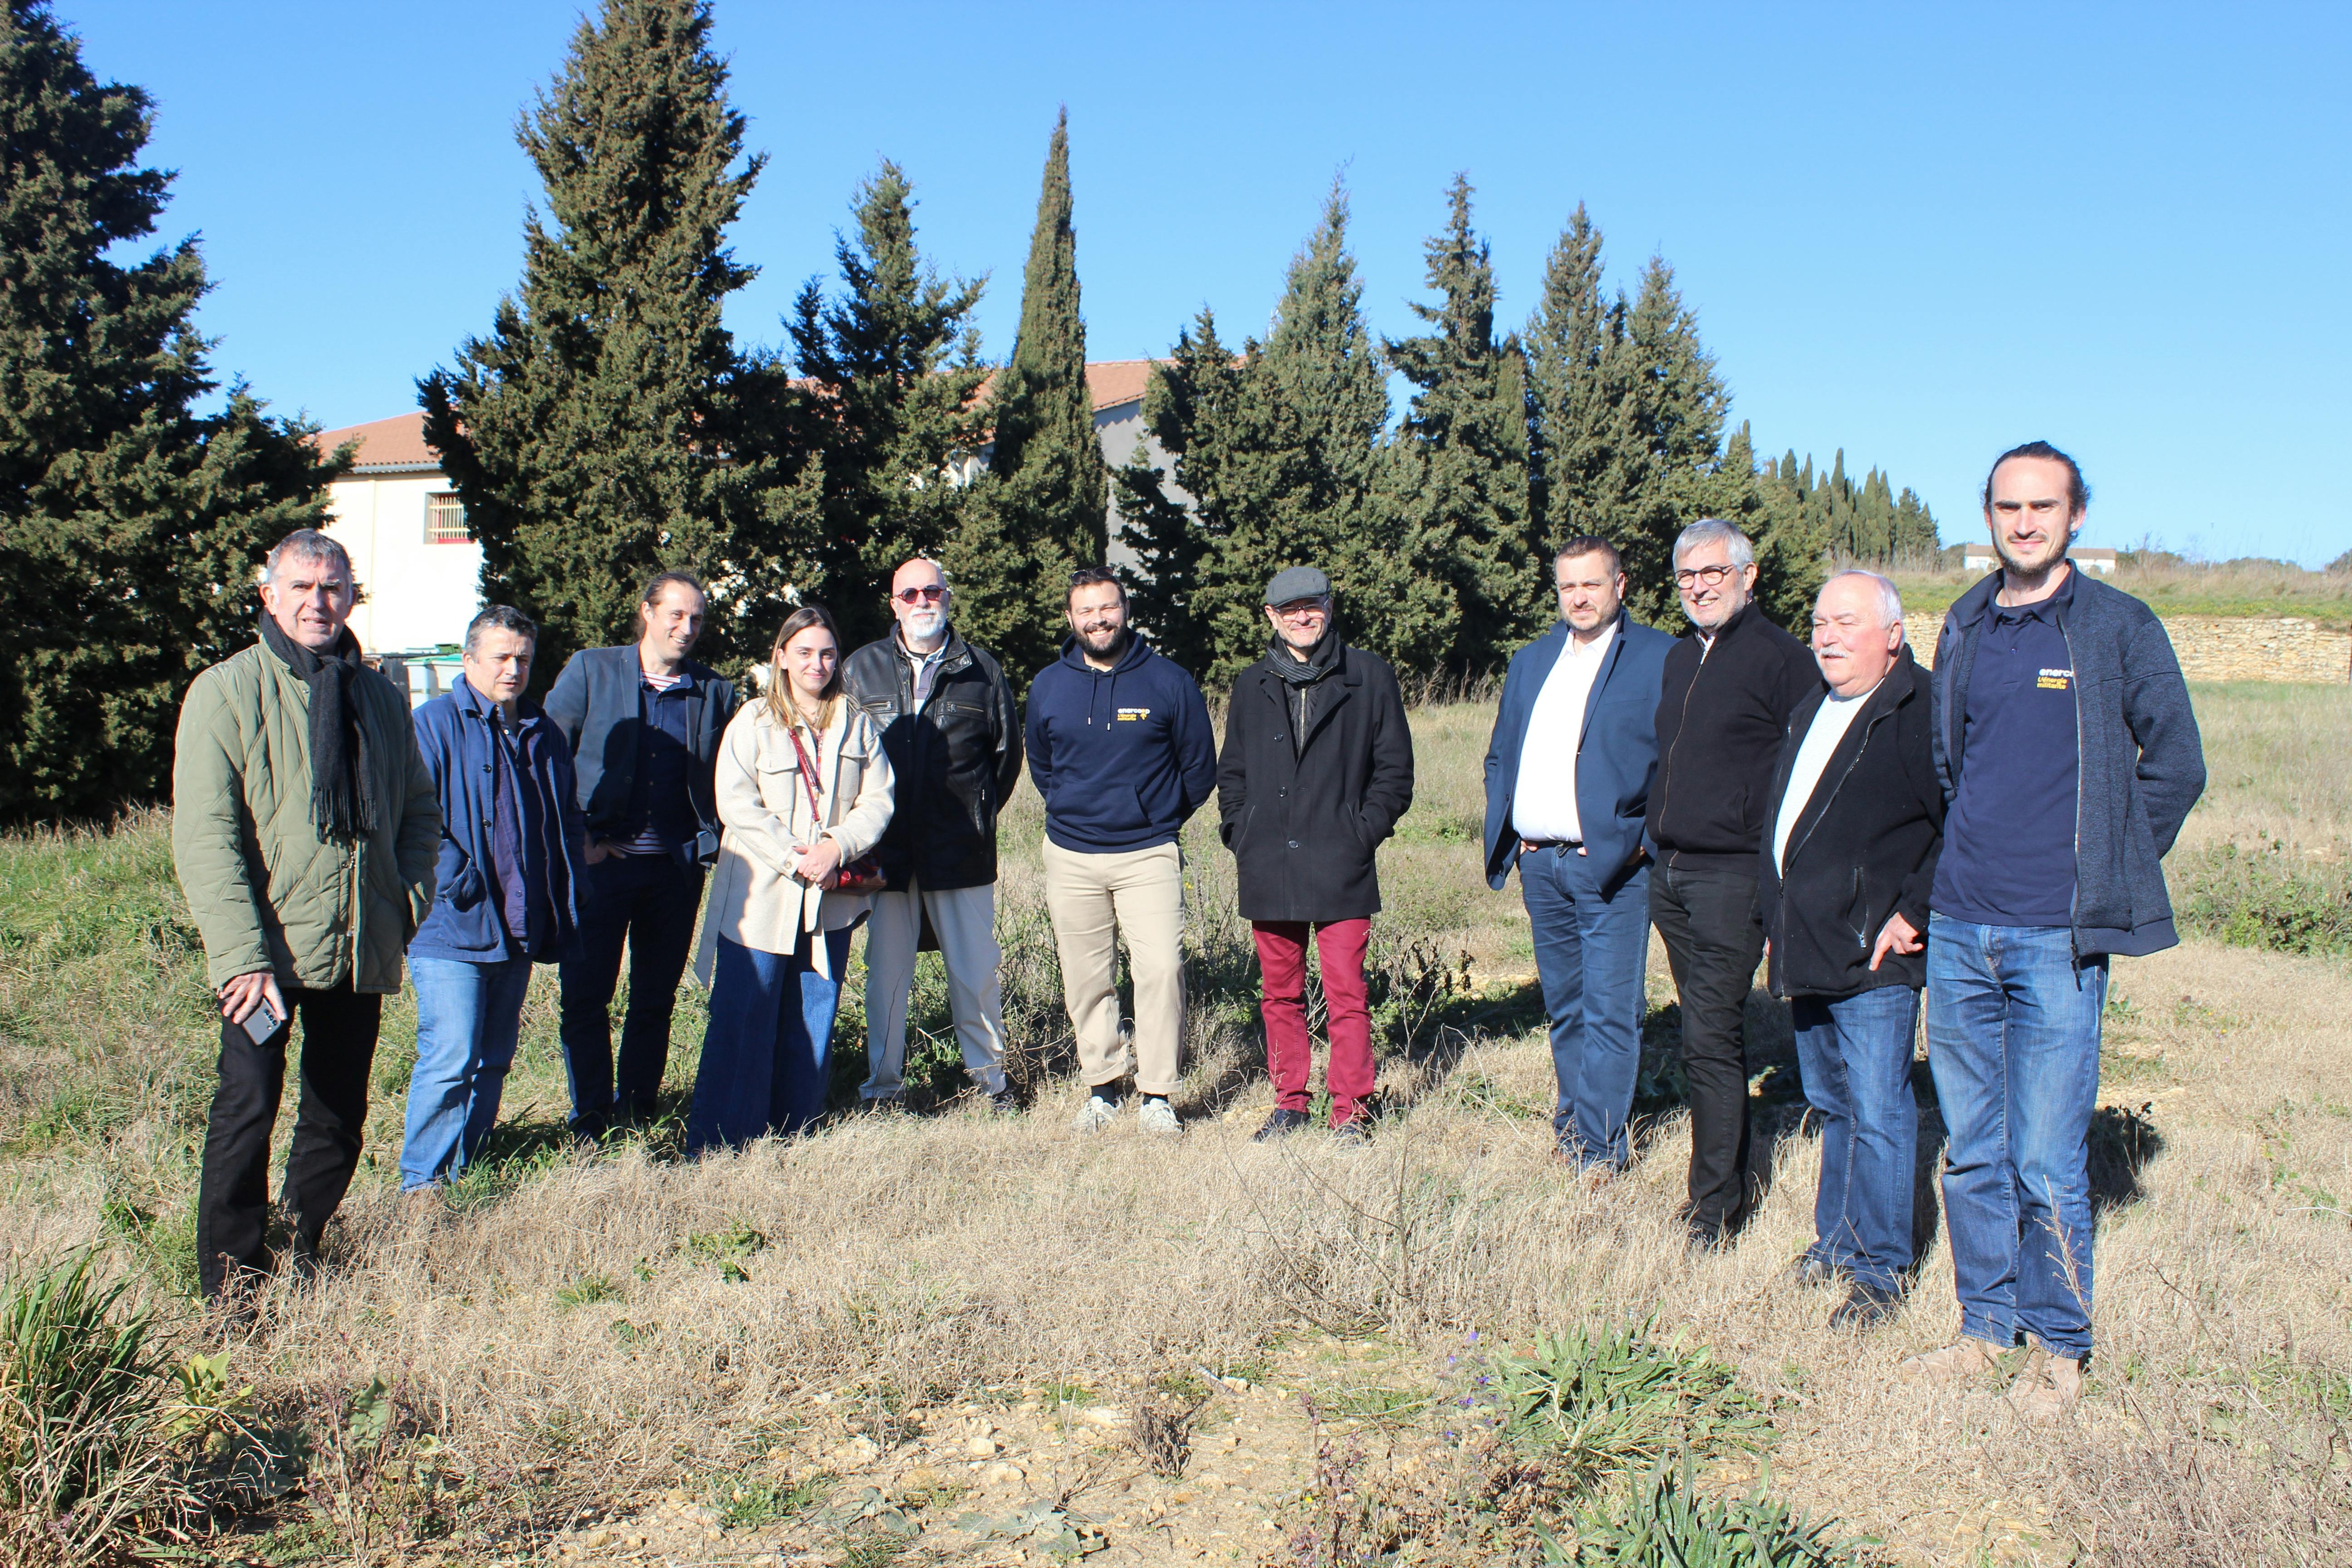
(395, 443)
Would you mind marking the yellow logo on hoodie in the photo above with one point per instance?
(1129, 715)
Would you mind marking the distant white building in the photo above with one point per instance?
(418, 567)
(421, 570)
(1981, 558)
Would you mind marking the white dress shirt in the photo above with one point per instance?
(1543, 798)
(1830, 722)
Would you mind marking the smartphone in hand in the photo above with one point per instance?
(262, 1022)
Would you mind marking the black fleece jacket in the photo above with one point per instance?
(1721, 716)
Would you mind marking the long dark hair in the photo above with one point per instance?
(781, 706)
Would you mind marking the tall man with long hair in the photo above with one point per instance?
(644, 722)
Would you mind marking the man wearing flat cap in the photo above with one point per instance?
(1315, 771)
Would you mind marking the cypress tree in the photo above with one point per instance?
(607, 428)
(1043, 511)
(130, 527)
(1209, 415)
(1280, 450)
(891, 370)
(1573, 483)
(1458, 471)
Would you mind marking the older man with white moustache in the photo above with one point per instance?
(953, 733)
(1857, 822)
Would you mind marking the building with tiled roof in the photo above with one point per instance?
(421, 570)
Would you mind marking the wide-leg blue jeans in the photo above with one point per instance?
(1855, 1055)
(1591, 949)
(2013, 1040)
(766, 1054)
(467, 1018)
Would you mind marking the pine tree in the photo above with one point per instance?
(1458, 471)
(130, 527)
(891, 371)
(1569, 341)
(607, 428)
(1282, 456)
(1042, 509)
(1209, 415)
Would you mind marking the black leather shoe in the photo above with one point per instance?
(1279, 1124)
(1353, 1133)
(1866, 1307)
(1810, 1273)
(1709, 1239)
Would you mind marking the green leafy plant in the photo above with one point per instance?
(1661, 1522)
(1590, 1402)
(729, 1248)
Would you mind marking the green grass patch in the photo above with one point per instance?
(1663, 1522)
(2266, 895)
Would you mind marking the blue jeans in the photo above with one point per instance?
(764, 1056)
(467, 1017)
(2013, 1041)
(648, 903)
(1855, 1055)
(1590, 949)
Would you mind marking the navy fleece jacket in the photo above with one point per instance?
(1122, 756)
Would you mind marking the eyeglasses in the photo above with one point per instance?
(1710, 575)
(1299, 609)
(928, 594)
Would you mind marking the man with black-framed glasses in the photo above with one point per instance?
(1730, 687)
(953, 733)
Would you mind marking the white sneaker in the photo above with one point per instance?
(1158, 1116)
(1094, 1115)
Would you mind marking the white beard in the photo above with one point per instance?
(922, 626)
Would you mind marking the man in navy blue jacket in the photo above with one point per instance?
(1567, 785)
(2067, 749)
(508, 881)
(644, 722)
(1120, 749)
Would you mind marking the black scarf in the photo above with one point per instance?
(342, 786)
(1320, 660)
(1300, 675)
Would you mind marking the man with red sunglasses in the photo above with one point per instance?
(952, 734)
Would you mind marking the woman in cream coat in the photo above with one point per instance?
(775, 939)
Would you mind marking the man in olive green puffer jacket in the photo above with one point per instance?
(305, 829)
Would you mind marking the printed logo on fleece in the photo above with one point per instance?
(1122, 756)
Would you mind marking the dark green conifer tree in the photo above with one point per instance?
(130, 527)
(1208, 414)
(1283, 460)
(891, 369)
(1043, 508)
(1457, 472)
(1577, 412)
(607, 428)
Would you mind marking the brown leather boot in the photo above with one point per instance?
(1963, 1358)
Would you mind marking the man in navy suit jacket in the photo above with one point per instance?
(1567, 788)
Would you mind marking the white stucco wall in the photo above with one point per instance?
(417, 595)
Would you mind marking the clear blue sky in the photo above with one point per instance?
(1920, 232)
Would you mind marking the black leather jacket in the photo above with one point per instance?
(956, 760)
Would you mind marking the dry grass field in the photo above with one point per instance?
(941, 1336)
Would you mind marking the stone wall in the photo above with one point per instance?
(2220, 647)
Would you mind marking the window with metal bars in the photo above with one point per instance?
(445, 520)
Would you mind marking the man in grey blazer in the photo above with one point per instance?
(644, 722)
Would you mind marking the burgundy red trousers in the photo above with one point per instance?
(1289, 1048)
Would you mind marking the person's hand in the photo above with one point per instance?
(1899, 936)
(241, 996)
(820, 863)
(596, 852)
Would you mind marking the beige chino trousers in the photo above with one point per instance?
(1095, 901)
(964, 920)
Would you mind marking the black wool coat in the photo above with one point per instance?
(1303, 822)
(1864, 846)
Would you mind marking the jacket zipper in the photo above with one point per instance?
(1666, 776)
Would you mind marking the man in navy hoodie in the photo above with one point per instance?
(1120, 749)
